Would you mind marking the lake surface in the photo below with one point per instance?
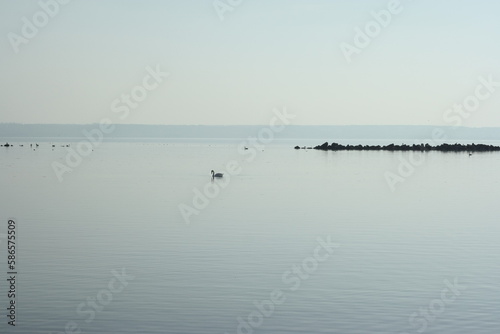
(295, 241)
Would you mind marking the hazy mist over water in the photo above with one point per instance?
(395, 251)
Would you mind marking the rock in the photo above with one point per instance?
(322, 147)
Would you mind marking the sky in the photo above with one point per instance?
(225, 62)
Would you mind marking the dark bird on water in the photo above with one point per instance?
(214, 174)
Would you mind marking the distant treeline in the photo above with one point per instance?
(415, 147)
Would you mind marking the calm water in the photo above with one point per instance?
(119, 211)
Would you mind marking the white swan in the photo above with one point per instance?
(216, 174)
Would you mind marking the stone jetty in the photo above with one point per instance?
(403, 147)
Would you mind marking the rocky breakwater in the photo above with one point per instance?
(403, 147)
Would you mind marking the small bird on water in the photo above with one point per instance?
(214, 174)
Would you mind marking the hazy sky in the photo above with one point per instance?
(88, 54)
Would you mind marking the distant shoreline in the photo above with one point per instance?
(357, 133)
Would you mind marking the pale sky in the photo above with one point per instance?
(265, 54)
